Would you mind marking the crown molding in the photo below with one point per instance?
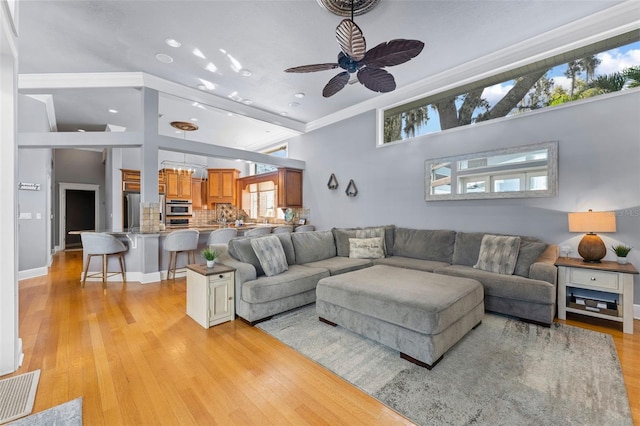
(616, 20)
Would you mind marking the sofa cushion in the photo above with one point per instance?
(287, 246)
(270, 253)
(341, 237)
(410, 263)
(298, 279)
(389, 237)
(425, 244)
(366, 248)
(240, 249)
(467, 248)
(498, 254)
(339, 265)
(529, 252)
(373, 233)
(505, 286)
(313, 246)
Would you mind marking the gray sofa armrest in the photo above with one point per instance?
(244, 272)
(544, 268)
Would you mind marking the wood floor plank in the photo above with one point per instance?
(136, 358)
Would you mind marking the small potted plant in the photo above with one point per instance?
(210, 256)
(621, 250)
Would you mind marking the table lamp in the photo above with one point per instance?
(591, 247)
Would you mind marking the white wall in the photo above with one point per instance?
(34, 166)
(599, 153)
(10, 344)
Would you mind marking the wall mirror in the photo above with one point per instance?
(516, 172)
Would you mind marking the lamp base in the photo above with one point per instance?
(592, 248)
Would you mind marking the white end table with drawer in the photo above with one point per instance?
(605, 277)
(210, 294)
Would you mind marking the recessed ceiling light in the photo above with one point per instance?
(245, 72)
(211, 67)
(172, 42)
(207, 84)
(193, 119)
(164, 58)
(247, 101)
(198, 53)
(113, 111)
(293, 104)
(299, 95)
(81, 130)
(284, 114)
(230, 114)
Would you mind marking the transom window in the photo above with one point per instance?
(608, 66)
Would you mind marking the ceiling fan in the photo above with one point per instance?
(354, 57)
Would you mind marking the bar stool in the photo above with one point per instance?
(105, 245)
(282, 229)
(262, 230)
(184, 240)
(221, 236)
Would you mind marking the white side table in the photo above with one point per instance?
(210, 294)
(610, 280)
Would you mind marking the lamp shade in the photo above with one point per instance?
(591, 222)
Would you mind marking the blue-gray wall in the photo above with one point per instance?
(599, 153)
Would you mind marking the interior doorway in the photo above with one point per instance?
(78, 212)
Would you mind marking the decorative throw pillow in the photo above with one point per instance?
(366, 248)
(498, 254)
(373, 233)
(270, 254)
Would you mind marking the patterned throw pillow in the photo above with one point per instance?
(271, 255)
(498, 254)
(366, 248)
(373, 233)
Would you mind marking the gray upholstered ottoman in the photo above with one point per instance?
(417, 313)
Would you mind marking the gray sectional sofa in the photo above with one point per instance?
(529, 293)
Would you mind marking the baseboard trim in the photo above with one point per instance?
(32, 273)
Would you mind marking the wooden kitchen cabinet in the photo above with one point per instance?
(199, 193)
(289, 188)
(131, 181)
(178, 184)
(221, 187)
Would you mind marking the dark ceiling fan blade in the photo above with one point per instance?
(351, 39)
(376, 79)
(312, 68)
(335, 84)
(394, 52)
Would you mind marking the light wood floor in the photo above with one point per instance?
(137, 359)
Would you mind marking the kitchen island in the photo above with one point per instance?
(146, 261)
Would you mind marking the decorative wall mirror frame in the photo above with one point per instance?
(517, 172)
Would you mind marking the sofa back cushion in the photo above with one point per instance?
(313, 246)
(436, 245)
(341, 237)
(467, 248)
(530, 251)
(240, 249)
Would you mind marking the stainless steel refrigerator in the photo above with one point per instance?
(132, 209)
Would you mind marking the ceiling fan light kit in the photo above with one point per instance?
(354, 58)
(185, 126)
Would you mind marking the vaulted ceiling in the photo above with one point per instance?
(260, 37)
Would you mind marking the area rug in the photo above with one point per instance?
(67, 414)
(17, 395)
(505, 372)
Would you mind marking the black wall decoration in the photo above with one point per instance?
(351, 190)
